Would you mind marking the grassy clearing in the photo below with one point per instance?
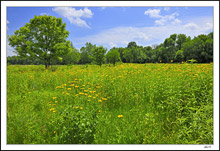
(126, 104)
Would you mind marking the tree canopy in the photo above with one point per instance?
(43, 38)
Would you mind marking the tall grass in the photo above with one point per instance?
(126, 104)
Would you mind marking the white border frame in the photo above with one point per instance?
(5, 4)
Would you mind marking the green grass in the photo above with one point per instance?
(159, 104)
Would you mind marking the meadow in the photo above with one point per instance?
(126, 104)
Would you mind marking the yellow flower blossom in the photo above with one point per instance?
(119, 116)
(100, 111)
(76, 86)
(68, 94)
(54, 98)
(56, 101)
(54, 132)
(76, 107)
(81, 108)
(72, 85)
(85, 90)
(100, 101)
(54, 111)
(51, 109)
(69, 89)
(89, 100)
(81, 93)
(104, 99)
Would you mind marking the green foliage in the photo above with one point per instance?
(44, 37)
(74, 126)
(113, 56)
(86, 53)
(127, 104)
(99, 55)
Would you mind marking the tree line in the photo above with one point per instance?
(43, 41)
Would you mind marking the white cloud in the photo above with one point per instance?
(7, 24)
(9, 50)
(74, 16)
(111, 44)
(145, 36)
(166, 8)
(102, 8)
(43, 14)
(191, 26)
(153, 13)
(162, 19)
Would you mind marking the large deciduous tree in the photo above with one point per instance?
(44, 37)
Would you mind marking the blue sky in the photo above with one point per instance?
(117, 26)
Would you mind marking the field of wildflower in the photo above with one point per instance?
(126, 104)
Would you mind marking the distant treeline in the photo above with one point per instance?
(176, 48)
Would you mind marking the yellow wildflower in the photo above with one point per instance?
(54, 111)
(85, 94)
(104, 99)
(56, 101)
(76, 94)
(81, 93)
(69, 89)
(85, 90)
(100, 111)
(119, 116)
(54, 98)
(51, 109)
(100, 101)
(94, 97)
(76, 107)
(68, 94)
(89, 100)
(54, 132)
(83, 85)
(52, 121)
(76, 86)
(81, 108)
(72, 85)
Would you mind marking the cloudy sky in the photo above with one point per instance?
(117, 26)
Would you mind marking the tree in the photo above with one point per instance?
(99, 55)
(179, 56)
(44, 38)
(113, 56)
(181, 38)
(132, 44)
(86, 53)
(72, 57)
(127, 54)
